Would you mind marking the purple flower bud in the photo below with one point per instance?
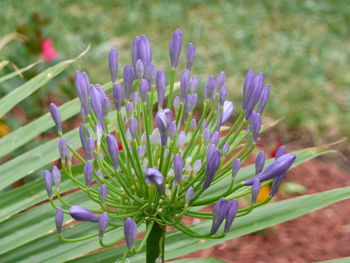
(185, 83)
(176, 103)
(102, 224)
(206, 135)
(178, 168)
(182, 139)
(82, 214)
(278, 167)
(103, 192)
(172, 129)
(191, 102)
(226, 148)
(128, 76)
(276, 184)
(113, 63)
(99, 174)
(189, 195)
(150, 72)
(219, 214)
(255, 125)
(175, 47)
(139, 69)
(212, 164)
(193, 124)
(133, 127)
(231, 215)
(255, 94)
(197, 165)
(59, 219)
(56, 116)
(62, 148)
(88, 171)
(204, 124)
(226, 111)
(155, 177)
(264, 97)
(222, 94)
(161, 85)
(112, 146)
(220, 79)
(129, 109)
(248, 87)
(255, 189)
(141, 151)
(106, 105)
(144, 89)
(215, 138)
(194, 84)
(56, 176)
(48, 182)
(69, 154)
(90, 148)
(190, 55)
(96, 104)
(135, 98)
(130, 232)
(210, 88)
(144, 51)
(82, 86)
(118, 96)
(236, 165)
(134, 54)
(99, 133)
(280, 151)
(163, 119)
(260, 162)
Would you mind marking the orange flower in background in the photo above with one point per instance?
(4, 129)
(47, 50)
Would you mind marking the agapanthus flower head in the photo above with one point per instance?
(162, 150)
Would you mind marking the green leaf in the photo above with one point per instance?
(337, 260)
(18, 72)
(22, 92)
(198, 260)
(178, 244)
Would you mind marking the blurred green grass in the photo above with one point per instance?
(303, 47)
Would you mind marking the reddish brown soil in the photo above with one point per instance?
(321, 235)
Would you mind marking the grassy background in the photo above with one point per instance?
(303, 47)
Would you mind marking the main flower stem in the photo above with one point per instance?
(155, 244)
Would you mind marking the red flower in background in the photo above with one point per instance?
(47, 50)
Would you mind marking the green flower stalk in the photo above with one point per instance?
(153, 163)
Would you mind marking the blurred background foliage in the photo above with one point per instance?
(302, 46)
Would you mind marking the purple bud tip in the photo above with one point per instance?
(189, 195)
(236, 165)
(231, 215)
(118, 96)
(255, 190)
(144, 89)
(90, 148)
(56, 175)
(62, 148)
(102, 224)
(139, 69)
(178, 168)
(113, 150)
(161, 85)
(264, 97)
(226, 111)
(219, 214)
(128, 76)
(226, 148)
(163, 120)
(133, 127)
(130, 231)
(280, 151)
(99, 133)
(185, 83)
(260, 162)
(215, 138)
(175, 47)
(155, 177)
(82, 214)
(56, 116)
(103, 192)
(212, 164)
(190, 55)
(48, 182)
(59, 219)
(113, 63)
(88, 171)
(194, 83)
